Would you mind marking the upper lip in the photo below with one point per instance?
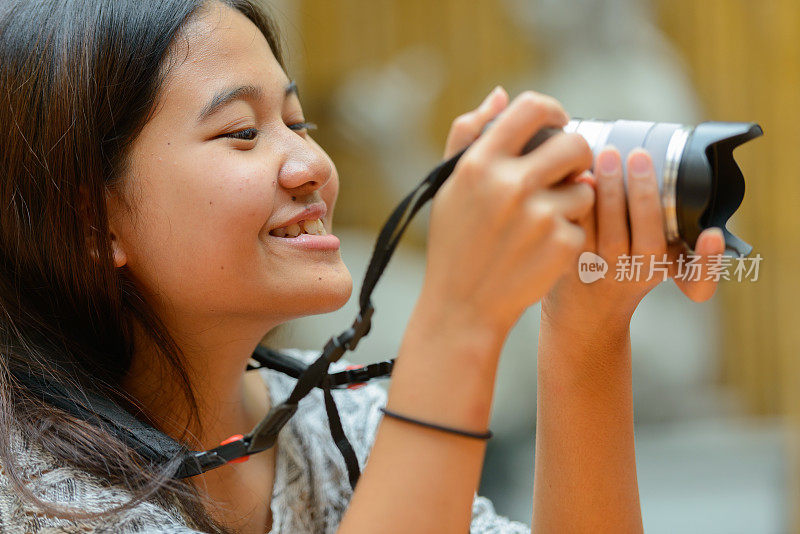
(309, 213)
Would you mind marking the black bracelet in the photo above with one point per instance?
(477, 435)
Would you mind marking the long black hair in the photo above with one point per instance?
(78, 81)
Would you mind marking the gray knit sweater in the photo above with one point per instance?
(310, 494)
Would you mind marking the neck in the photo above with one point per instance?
(215, 356)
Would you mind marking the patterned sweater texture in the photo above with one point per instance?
(310, 493)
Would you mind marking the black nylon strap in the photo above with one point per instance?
(272, 359)
(265, 433)
(340, 438)
(361, 374)
(397, 223)
(102, 412)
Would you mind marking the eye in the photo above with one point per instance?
(246, 135)
(301, 126)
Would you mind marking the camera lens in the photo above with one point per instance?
(700, 183)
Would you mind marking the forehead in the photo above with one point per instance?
(217, 48)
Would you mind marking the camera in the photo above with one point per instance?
(699, 181)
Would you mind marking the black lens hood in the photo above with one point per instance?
(710, 185)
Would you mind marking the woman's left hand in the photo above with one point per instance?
(608, 302)
(466, 128)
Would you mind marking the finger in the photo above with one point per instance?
(469, 126)
(514, 127)
(557, 158)
(613, 236)
(710, 245)
(589, 221)
(569, 240)
(561, 248)
(589, 224)
(574, 201)
(644, 205)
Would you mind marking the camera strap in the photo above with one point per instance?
(264, 435)
(161, 449)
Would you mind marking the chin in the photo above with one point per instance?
(344, 290)
(330, 293)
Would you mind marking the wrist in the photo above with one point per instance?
(587, 320)
(446, 368)
(473, 333)
(592, 351)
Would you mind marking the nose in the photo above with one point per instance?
(305, 171)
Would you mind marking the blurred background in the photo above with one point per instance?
(716, 385)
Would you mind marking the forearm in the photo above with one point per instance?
(585, 474)
(419, 479)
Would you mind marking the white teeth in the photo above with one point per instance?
(293, 230)
(310, 227)
(313, 227)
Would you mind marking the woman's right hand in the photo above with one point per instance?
(503, 228)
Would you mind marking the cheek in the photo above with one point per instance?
(201, 219)
(236, 202)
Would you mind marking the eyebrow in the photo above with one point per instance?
(243, 92)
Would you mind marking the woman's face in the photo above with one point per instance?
(223, 162)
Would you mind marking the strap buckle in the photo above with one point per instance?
(197, 462)
(358, 376)
(361, 326)
(348, 340)
(265, 434)
(355, 376)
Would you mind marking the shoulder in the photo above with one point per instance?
(76, 490)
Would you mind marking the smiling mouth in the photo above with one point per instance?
(313, 227)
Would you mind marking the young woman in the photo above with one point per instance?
(153, 153)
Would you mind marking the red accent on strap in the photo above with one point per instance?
(235, 437)
(357, 384)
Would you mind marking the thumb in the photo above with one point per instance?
(468, 127)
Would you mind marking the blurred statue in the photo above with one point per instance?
(606, 59)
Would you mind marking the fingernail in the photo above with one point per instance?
(639, 165)
(609, 162)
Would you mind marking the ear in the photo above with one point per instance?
(94, 237)
(113, 211)
(120, 258)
